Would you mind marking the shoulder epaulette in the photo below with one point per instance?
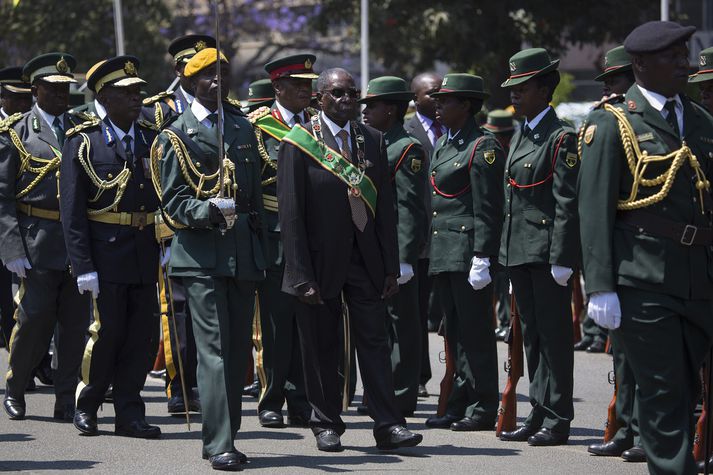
(258, 114)
(234, 102)
(147, 124)
(613, 99)
(233, 106)
(154, 99)
(9, 121)
(82, 115)
(87, 124)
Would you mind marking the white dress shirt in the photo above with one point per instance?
(334, 128)
(427, 123)
(538, 118)
(49, 118)
(658, 102)
(288, 117)
(202, 114)
(120, 134)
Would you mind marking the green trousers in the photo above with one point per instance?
(625, 396)
(222, 310)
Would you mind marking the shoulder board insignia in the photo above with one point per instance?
(9, 121)
(258, 114)
(233, 106)
(612, 99)
(489, 156)
(571, 159)
(35, 124)
(93, 122)
(154, 99)
(234, 102)
(147, 124)
(415, 165)
(589, 134)
(83, 115)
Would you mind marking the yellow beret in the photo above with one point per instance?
(201, 60)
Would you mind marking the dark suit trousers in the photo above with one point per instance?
(184, 339)
(48, 298)
(318, 330)
(118, 352)
(468, 321)
(546, 317)
(626, 407)
(665, 340)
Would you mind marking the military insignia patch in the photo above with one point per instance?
(571, 159)
(589, 134)
(645, 137)
(130, 68)
(35, 124)
(489, 156)
(415, 165)
(513, 66)
(62, 65)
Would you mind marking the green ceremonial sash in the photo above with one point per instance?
(273, 127)
(332, 161)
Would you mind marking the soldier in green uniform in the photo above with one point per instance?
(540, 244)
(32, 238)
(703, 78)
(386, 102)
(645, 209)
(467, 199)
(618, 78)
(278, 358)
(260, 94)
(219, 248)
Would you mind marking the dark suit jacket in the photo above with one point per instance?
(315, 218)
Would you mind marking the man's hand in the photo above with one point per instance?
(309, 294)
(479, 275)
(560, 274)
(18, 267)
(391, 286)
(604, 309)
(406, 271)
(88, 282)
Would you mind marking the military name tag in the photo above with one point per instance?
(244, 146)
(589, 134)
(706, 140)
(415, 165)
(571, 159)
(645, 137)
(489, 156)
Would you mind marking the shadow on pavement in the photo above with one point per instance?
(268, 434)
(16, 438)
(326, 463)
(447, 450)
(36, 465)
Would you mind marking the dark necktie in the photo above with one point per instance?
(526, 130)
(355, 203)
(297, 119)
(58, 130)
(213, 118)
(437, 130)
(671, 117)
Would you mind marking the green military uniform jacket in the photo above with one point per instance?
(467, 199)
(541, 225)
(408, 179)
(198, 247)
(615, 253)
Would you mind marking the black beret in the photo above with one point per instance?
(655, 36)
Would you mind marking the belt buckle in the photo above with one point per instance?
(691, 231)
(138, 220)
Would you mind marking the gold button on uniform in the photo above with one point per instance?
(435, 232)
(544, 221)
(433, 173)
(110, 176)
(462, 228)
(141, 186)
(435, 213)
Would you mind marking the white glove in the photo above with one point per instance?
(561, 274)
(166, 256)
(604, 309)
(479, 275)
(406, 271)
(88, 282)
(18, 267)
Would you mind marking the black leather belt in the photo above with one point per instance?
(684, 234)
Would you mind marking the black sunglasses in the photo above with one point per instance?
(338, 92)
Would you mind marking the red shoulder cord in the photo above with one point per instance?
(464, 190)
(398, 163)
(552, 170)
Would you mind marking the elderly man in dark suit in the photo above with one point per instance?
(339, 238)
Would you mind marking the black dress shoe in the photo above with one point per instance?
(298, 420)
(546, 438)
(194, 405)
(227, 461)
(271, 419)
(252, 389)
(241, 456)
(328, 441)
(397, 437)
(159, 374)
(521, 434)
(422, 391)
(635, 455)
(109, 395)
(85, 423)
(583, 344)
(443, 422)
(64, 412)
(702, 465)
(176, 405)
(468, 424)
(597, 347)
(613, 448)
(500, 333)
(14, 407)
(363, 409)
(138, 429)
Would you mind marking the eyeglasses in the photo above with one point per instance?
(338, 92)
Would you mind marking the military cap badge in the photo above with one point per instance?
(702, 60)
(308, 64)
(445, 81)
(200, 45)
(513, 66)
(130, 68)
(62, 66)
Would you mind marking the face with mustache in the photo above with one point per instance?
(338, 98)
(205, 85)
(294, 94)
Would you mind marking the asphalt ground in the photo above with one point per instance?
(39, 444)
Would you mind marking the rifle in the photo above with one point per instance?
(701, 449)
(514, 367)
(612, 425)
(448, 377)
(577, 306)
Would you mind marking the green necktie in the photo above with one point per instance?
(58, 131)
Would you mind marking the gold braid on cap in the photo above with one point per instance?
(638, 161)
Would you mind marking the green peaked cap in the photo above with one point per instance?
(529, 63)
(616, 61)
(387, 88)
(462, 85)
(499, 121)
(705, 67)
(260, 93)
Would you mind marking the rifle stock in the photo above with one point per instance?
(448, 378)
(514, 367)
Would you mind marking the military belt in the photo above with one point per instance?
(684, 234)
(30, 210)
(137, 220)
(270, 202)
